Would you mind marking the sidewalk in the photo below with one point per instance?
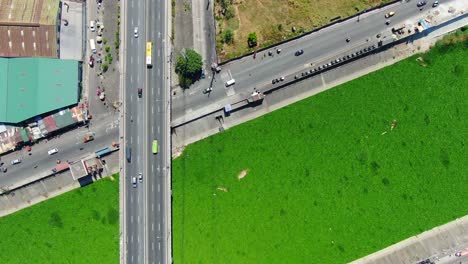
(439, 242)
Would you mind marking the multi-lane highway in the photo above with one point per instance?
(249, 72)
(135, 77)
(146, 119)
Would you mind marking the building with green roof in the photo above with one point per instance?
(34, 86)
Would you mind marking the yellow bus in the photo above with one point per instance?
(155, 146)
(149, 47)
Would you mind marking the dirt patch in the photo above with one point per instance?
(273, 20)
(177, 152)
(242, 174)
(224, 189)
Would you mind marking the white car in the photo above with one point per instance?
(134, 182)
(140, 177)
(92, 26)
(52, 151)
(135, 32)
(16, 161)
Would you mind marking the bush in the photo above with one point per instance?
(228, 36)
(104, 41)
(105, 67)
(252, 40)
(107, 48)
(230, 12)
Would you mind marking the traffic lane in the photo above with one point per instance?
(316, 45)
(69, 148)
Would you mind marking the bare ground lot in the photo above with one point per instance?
(273, 20)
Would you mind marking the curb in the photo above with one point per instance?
(122, 203)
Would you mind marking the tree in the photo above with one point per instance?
(252, 40)
(189, 67)
(228, 36)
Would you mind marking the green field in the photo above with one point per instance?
(328, 180)
(81, 226)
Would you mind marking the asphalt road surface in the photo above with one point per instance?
(144, 118)
(134, 131)
(249, 72)
(157, 113)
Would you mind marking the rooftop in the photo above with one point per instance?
(34, 86)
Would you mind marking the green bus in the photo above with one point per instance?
(155, 146)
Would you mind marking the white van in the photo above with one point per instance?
(92, 45)
(230, 82)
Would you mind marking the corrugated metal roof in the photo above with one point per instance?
(29, 28)
(20, 41)
(63, 118)
(29, 11)
(35, 86)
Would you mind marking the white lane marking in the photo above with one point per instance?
(159, 109)
(152, 91)
(159, 92)
(131, 98)
(138, 199)
(132, 258)
(159, 207)
(138, 140)
(131, 59)
(152, 226)
(131, 219)
(159, 246)
(131, 199)
(152, 207)
(138, 221)
(152, 130)
(152, 246)
(159, 71)
(138, 239)
(131, 138)
(152, 188)
(159, 55)
(159, 128)
(159, 187)
(132, 239)
(152, 109)
(159, 226)
(152, 167)
(131, 79)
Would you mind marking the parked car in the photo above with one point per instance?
(3, 169)
(134, 182)
(52, 151)
(135, 32)
(15, 161)
(435, 4)
(140, 177)
(389, 14)
(421, 3)
(88, 138)
(92, 26)
(299, 52)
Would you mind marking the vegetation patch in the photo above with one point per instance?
(81, 226)
(334, 177)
